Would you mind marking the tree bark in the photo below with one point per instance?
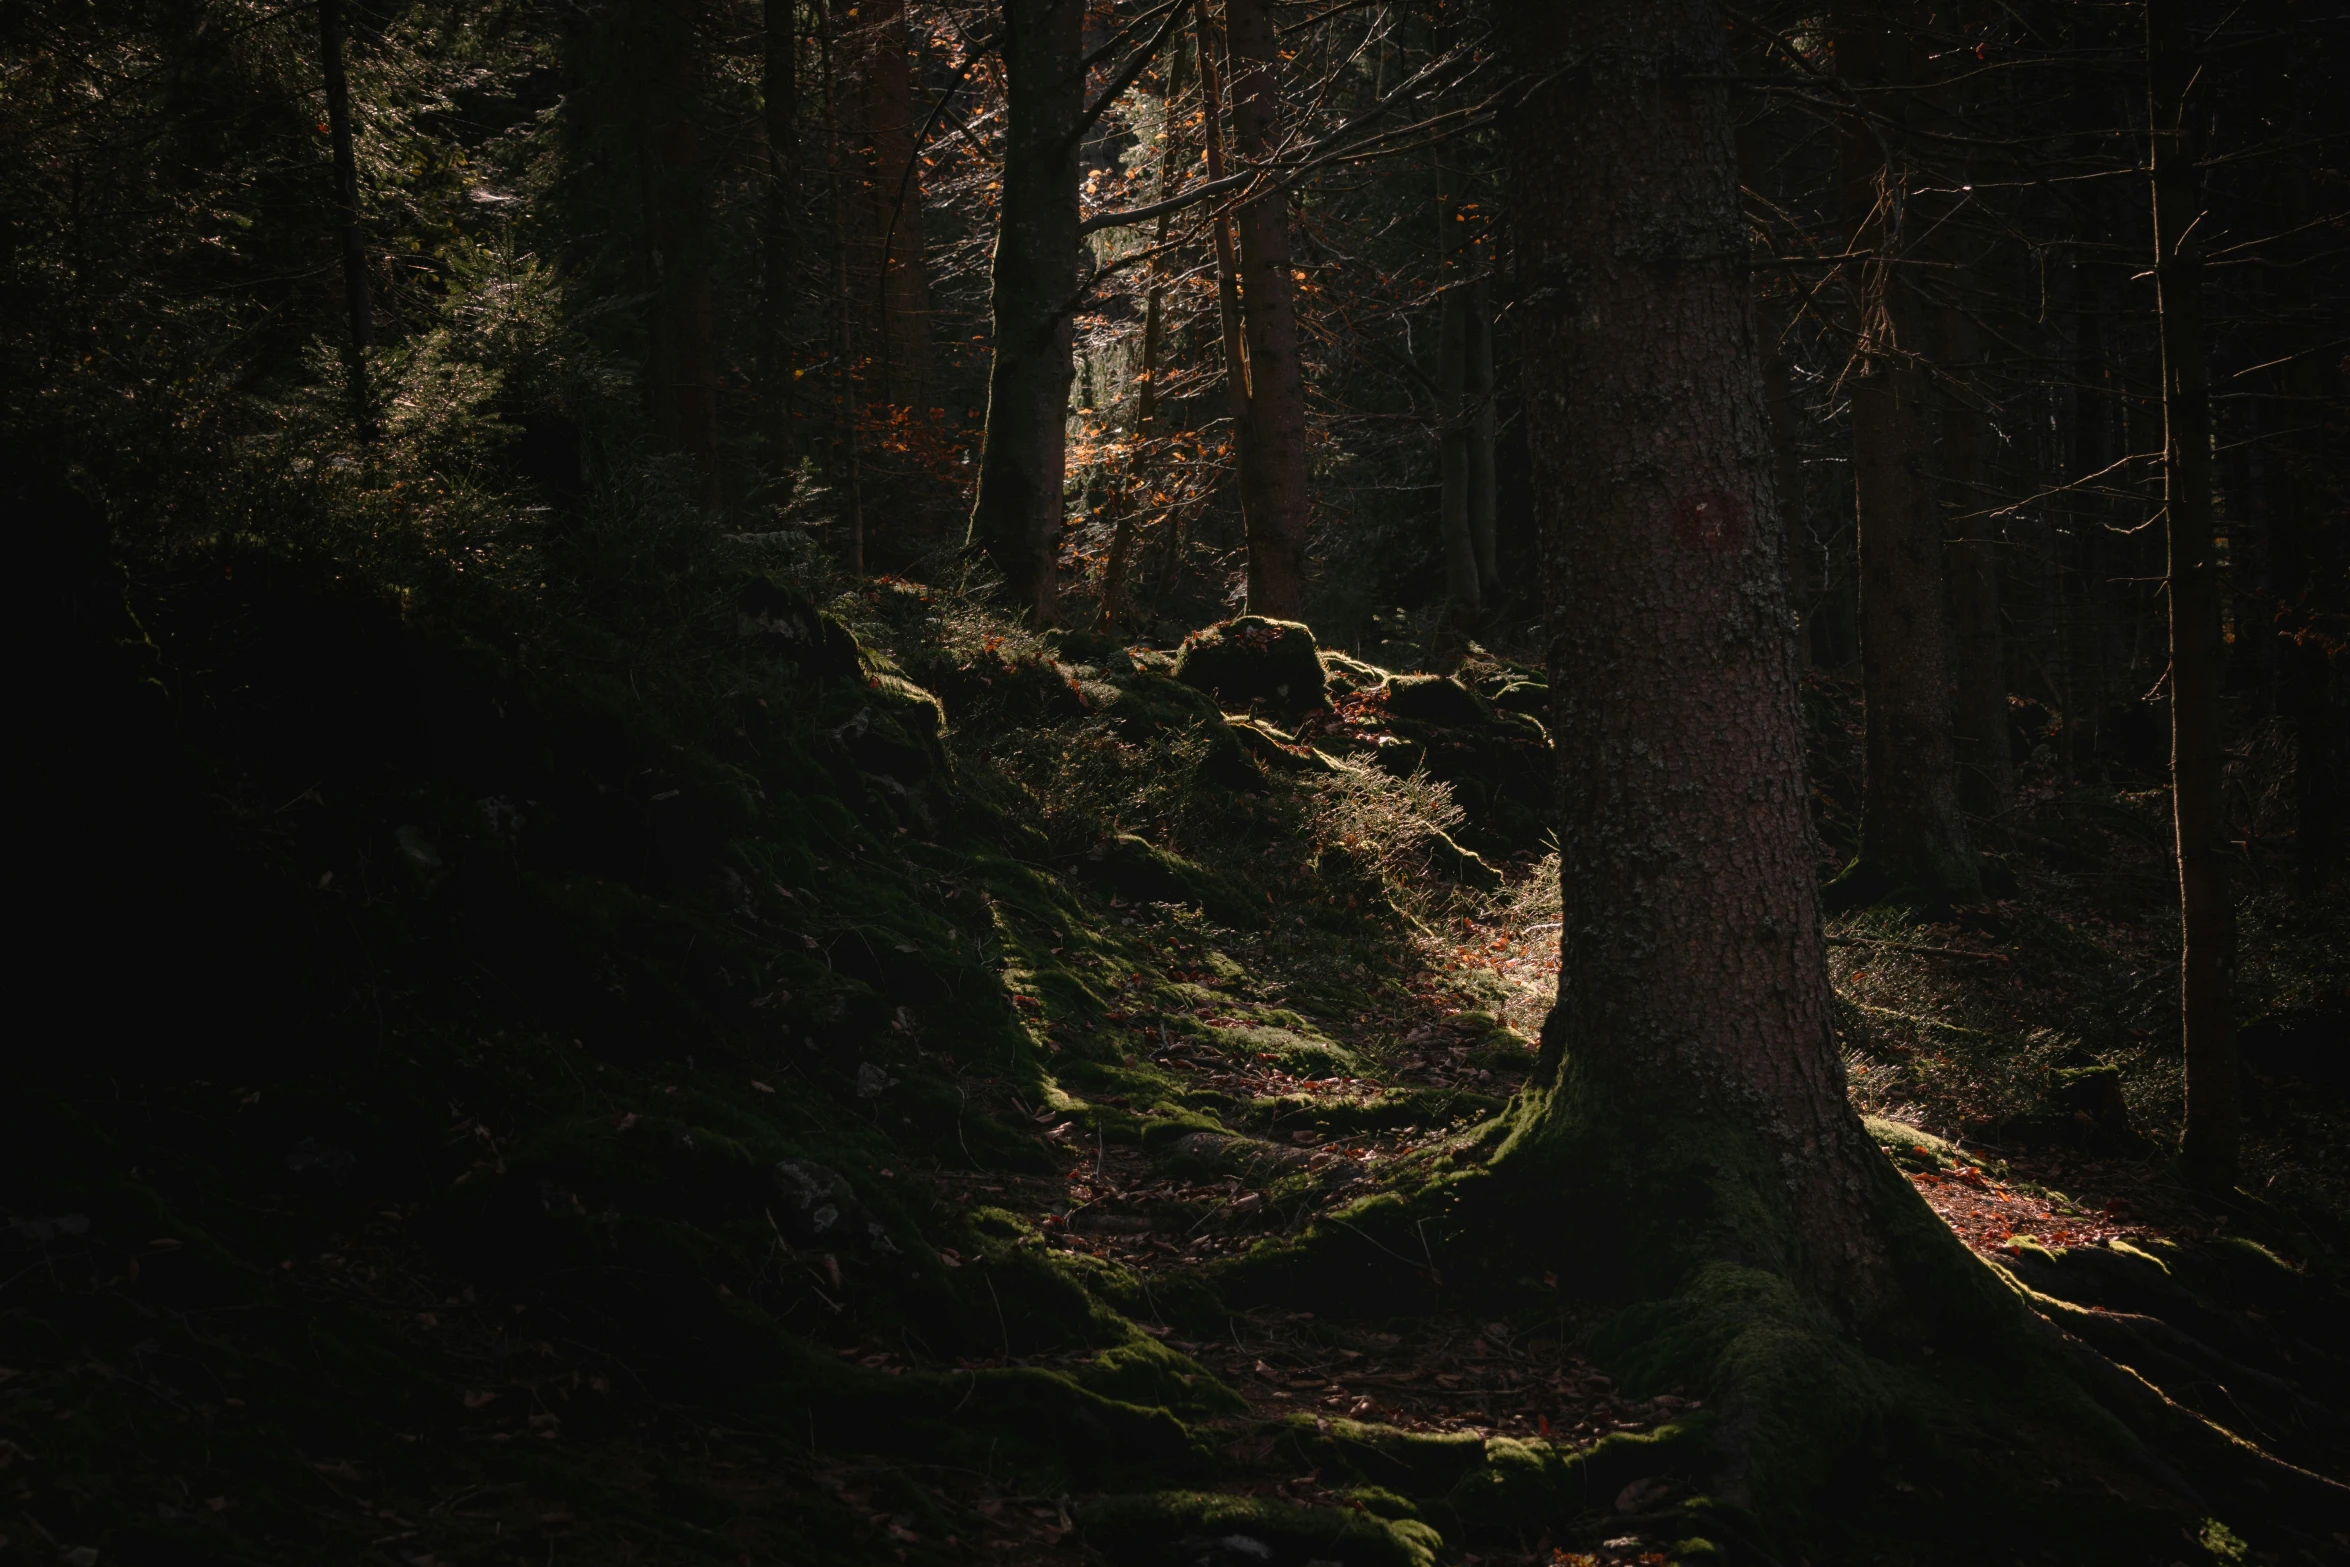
(1986, 769)
(2207, 934)
(1912, 835)
(1146, 398)
(360, 317)
(1017, 517)
(1691, 1032)
(888, 271)
(1463, 582)
(1274, 503)
(1484, 427)
(780, 94)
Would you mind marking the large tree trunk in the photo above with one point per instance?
(1018, 515)
(1691, 1032)
(1911, 832)
(2207, 923)
(1274, 503)
(888, 274)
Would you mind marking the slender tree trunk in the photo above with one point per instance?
(850, 427)
(675, 181)
(1462, 579)
(2083, 658)
(1018, 515)
(1146, 399)
(361, 318)
(2207, 934)
(1986, 770)
(2302, 547)
(1275, 506)
(1484, 426)
(1691, 1031)
(781, 101)
(888, 271)
(1227, 265)
(1912, 834)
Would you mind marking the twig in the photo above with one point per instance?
(1911, 946)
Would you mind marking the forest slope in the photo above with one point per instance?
(819, 1074)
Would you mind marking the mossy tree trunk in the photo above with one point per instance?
(1017, 517)
(1691, 1033)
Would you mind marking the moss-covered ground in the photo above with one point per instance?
(813, 1073)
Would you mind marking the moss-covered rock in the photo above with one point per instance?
(1250, 661)
(1436, 699)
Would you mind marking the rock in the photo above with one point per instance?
(820, 1207)
(1251, 660)
(1141, 872)
(1436, 699)
(790, 626)
(325, 1161)
(1221, 1153)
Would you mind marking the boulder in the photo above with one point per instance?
(1252, 660)
(1436, 699)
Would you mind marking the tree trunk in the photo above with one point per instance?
(1018, 515)
(360, 317)
(1484, 427)
(1691, 1033)
(849, 428)
(1274, 503)
(1462, 579)
(1986, 769)
(1912, 835)
(2302, 546)
(675, 179)
(888, 273)
(1146, 398)
(780, 93)
(2207, 934)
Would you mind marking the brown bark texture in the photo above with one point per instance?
(1018, 515)
(1911, 832)
(1274, 506)
(2207, 933)
(1986, 768)
(888, 276)
(1693, 996)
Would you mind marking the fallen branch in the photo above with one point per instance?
(1911, 946)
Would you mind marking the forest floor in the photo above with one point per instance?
(493, 1258)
